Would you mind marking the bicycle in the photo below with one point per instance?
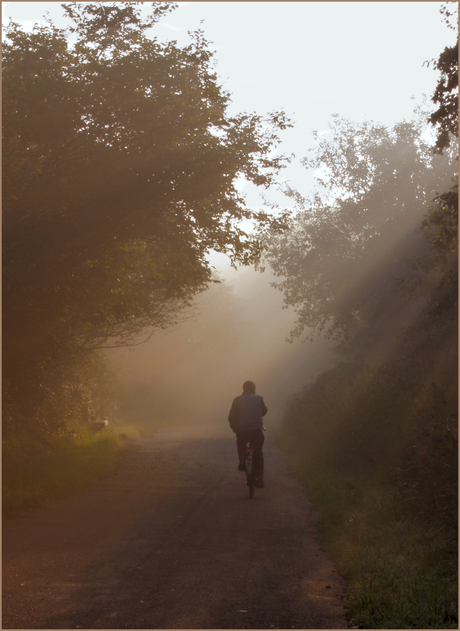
(250, 477)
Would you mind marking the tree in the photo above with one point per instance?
(445, 118)
(436, 274)
(119, 169)
(348, 243)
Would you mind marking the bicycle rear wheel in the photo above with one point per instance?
(249, 474)
(251, 485)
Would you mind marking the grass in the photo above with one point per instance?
(400, 573)
(35, 472)
(129, 432)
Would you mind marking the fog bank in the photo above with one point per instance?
(236, 331)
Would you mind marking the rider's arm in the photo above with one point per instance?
(232, 415)
(264, 408)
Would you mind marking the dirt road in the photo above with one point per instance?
(171, 540)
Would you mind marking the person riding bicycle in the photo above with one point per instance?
(245, 419)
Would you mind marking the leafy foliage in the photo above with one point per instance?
(376, 437)
(346, 245)
(120, 165)
(435, 274)
(445, 118)
(377, 445)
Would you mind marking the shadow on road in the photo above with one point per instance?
(172, 540)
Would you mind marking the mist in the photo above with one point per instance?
(235, 331)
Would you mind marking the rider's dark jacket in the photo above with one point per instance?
(246, 412)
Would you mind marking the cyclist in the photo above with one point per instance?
(245, 419)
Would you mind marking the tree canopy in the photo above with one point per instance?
(120, 171)
(445, 97)
(347, 244)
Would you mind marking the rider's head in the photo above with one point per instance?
(249, 386)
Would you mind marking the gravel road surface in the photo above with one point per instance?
(171, 540)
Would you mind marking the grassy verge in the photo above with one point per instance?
(34, 472)
(400, 573)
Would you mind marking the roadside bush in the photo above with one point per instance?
(377, 448)
(426, 480)
(75, 389)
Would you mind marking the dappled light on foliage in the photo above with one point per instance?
(371, 261)
(120, 172)
(347, 244)
(123, 172)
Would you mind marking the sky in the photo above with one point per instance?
(361, 60)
